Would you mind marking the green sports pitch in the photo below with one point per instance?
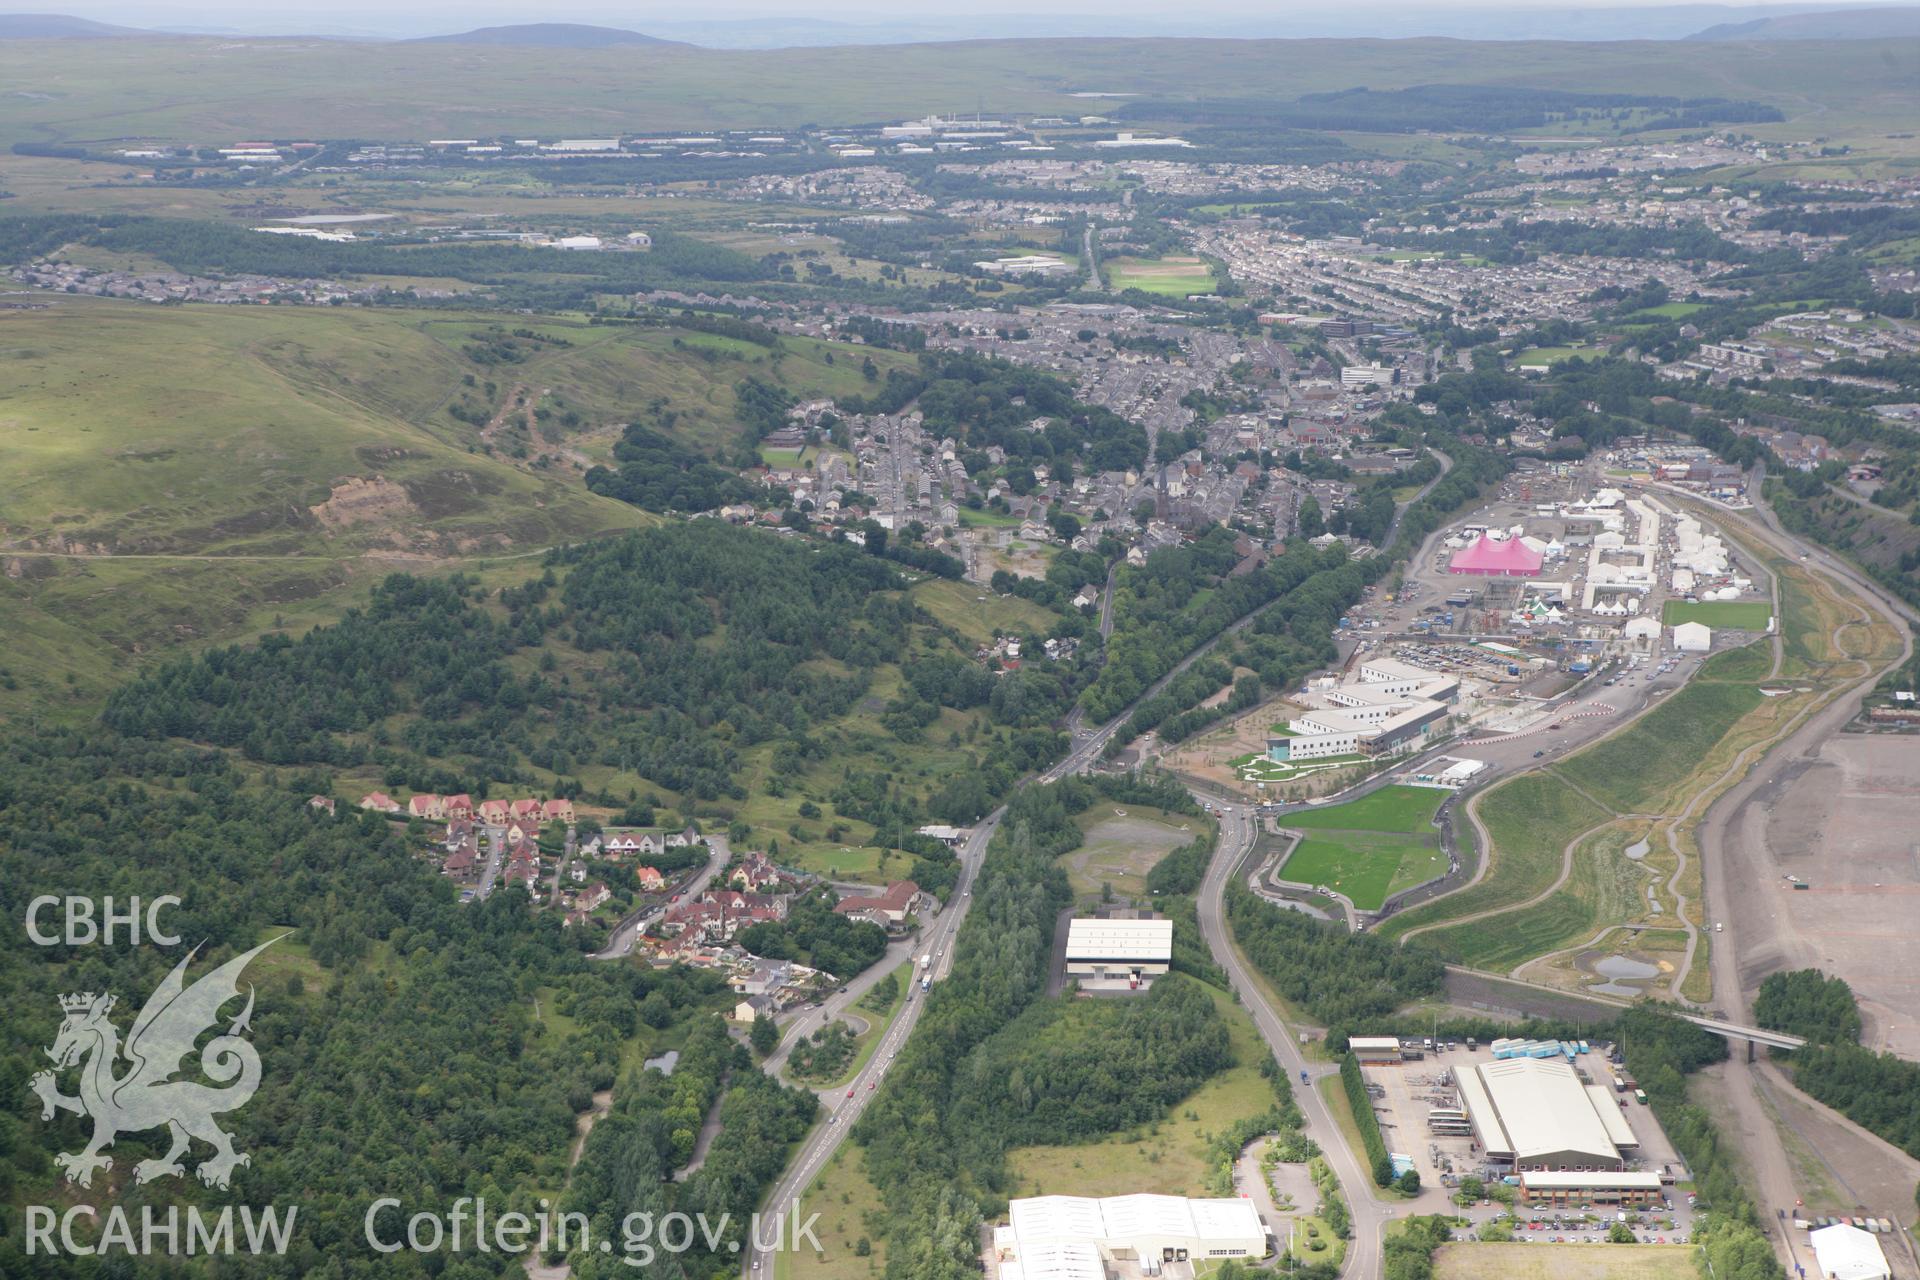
(1368, 848)
(1734, 615)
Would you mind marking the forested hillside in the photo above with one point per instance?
(409, 1044)
(732, 674)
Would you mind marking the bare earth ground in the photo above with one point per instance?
(1121, 850)
(1848, 822)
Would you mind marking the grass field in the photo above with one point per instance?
(845, 1199)
(959, 605)
(1530, 819)
(1554, 355)
(1732, 615)
(268, 463)
(1363, 866)
(1169, 1156)
(1669, 311)
(1173, 276)
(1369, 848)
(1406, 809)
(1563, 1262)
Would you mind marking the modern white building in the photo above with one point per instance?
(1130, 951)
(1391, 707)
(1848, 1253)
(1073, 1237)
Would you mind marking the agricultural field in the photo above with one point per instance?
(1370, 848)
(1123, 842)
(1730, 615)
(1176, 276)
(1563, 1262)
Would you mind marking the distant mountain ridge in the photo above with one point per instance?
(1833, 24)
(550, 35)
(58, 26)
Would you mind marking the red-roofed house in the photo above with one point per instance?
(427, 806)
(557, 811)
(493, 811)
(322, 803)
(889, 909)
(525, 809)
(379, 802)
(651, 881)
(460, 806)
(756, 872)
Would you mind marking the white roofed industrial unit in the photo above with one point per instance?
(1693, 637)
(1119, 942)
(1069, 1237)
(1848, 1253)
(1537, 1113)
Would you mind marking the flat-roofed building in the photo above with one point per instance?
(1130, 951)
(1070, 1237)
(1561, 1187)
(1375, 1049)
(1536, 1113)
(1848, 1253)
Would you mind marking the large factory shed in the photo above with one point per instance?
(1069, 1237)
(1536, 1113)
(1128, 951)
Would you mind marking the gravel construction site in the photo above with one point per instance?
(1843, 824)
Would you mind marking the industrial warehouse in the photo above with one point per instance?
(1113, 953)
(1529, 1112)
(1537, 1115)
(1078, 1237)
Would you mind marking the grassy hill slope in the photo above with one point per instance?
(174, 475)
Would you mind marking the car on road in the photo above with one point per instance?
(1538, 754)
(849, 1093)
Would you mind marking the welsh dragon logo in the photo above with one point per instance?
(146, 1096)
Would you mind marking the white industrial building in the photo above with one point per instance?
(1536, 1113)
(1133, 952)
(1073, 1237)
(1848, 1253)
(1693, 637)
(1645, 627)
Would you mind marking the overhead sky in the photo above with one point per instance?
(733, 22)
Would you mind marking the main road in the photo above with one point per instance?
(1086, 750)
(1238, 826)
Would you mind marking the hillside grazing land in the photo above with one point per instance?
(171, 476)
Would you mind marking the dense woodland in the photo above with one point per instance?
(1878, 1091)
(937, 1176)
(668, 653)
(398, 1031)
(1344, 981)
(1806, 1002)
